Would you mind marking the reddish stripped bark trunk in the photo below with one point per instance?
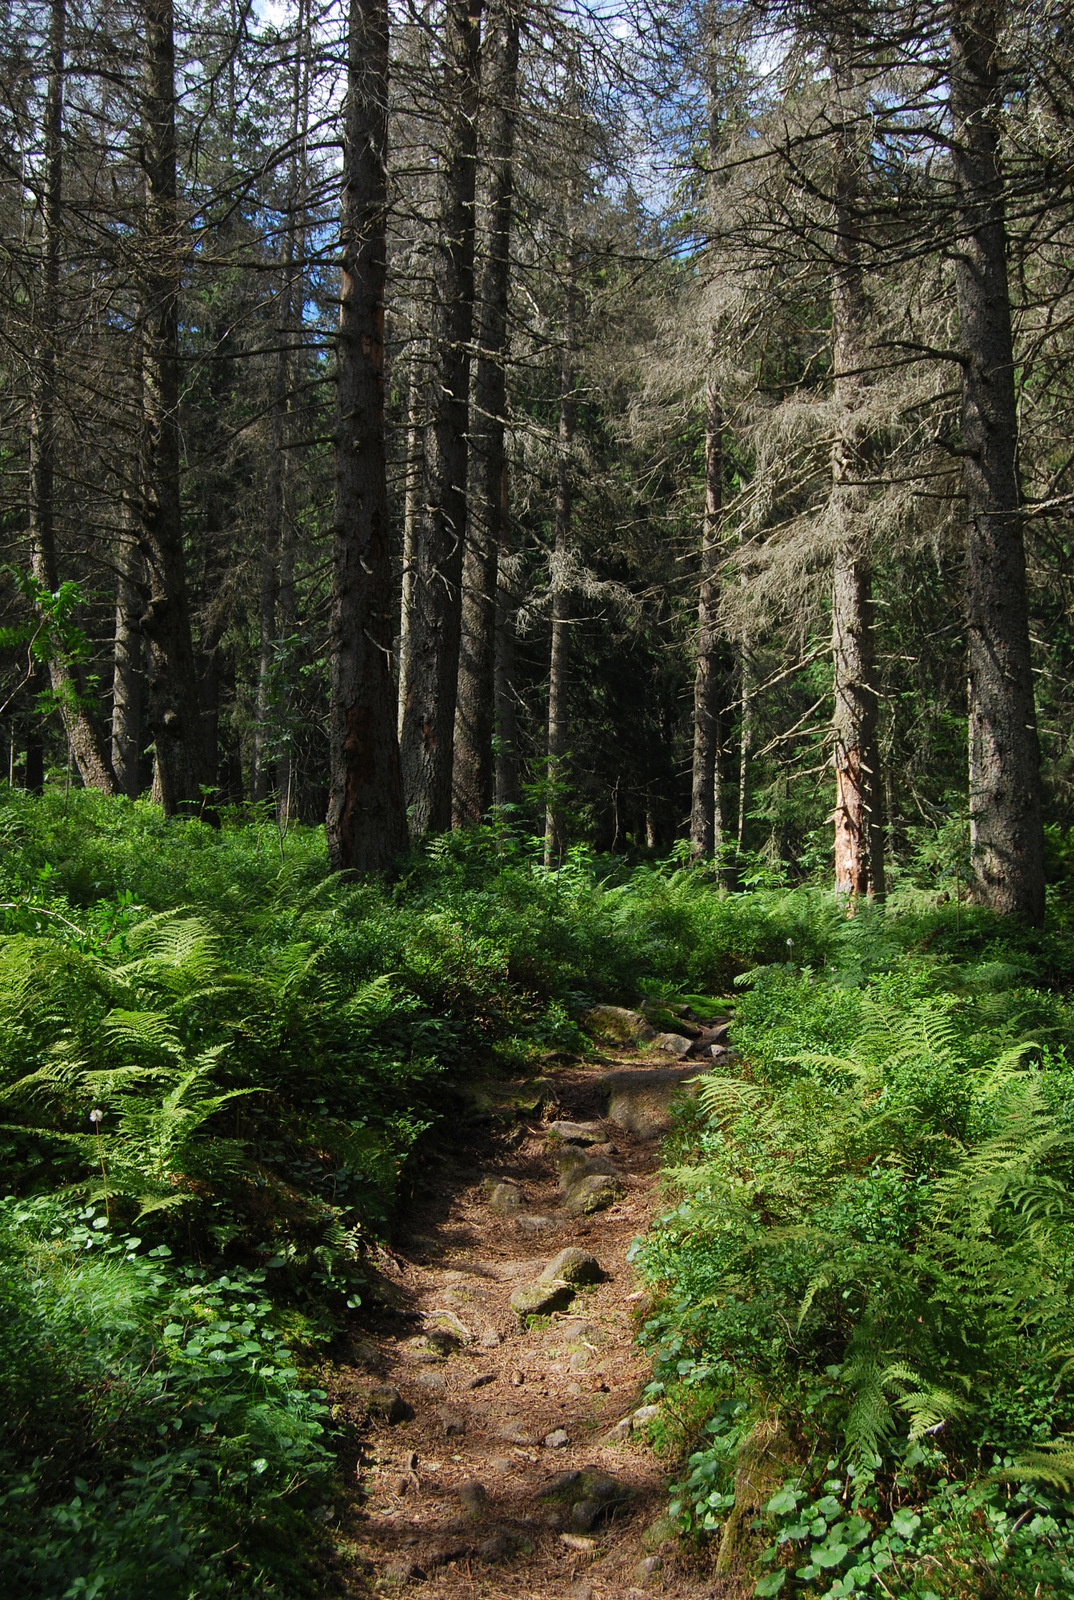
(859, 858)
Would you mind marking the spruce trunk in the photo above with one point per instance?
(859, 854)
(87, 744)
(476, 707)
(127, 669)
(435, 618)
(172, 708)
(1006, 834)
(366, 824)
(554, 825)
(706, 823)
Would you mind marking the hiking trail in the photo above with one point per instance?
(503, 1455)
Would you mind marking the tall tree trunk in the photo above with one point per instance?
(127, 669)
(554, 830)
(85, 738)
(172, 707)
(706, 819)
(475, 710)
(432, 656)
(1006, 834)
(415, 441)
(859, 839)
(508, 777)
(745, 735)
(366, 824)
(286, 623)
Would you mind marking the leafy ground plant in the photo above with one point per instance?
(874, 1243)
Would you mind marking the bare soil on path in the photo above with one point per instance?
(466, 1414)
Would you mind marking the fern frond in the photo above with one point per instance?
(1051, 1463)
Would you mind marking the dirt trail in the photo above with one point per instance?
(448, 1499)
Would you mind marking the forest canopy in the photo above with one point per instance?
(652, 424)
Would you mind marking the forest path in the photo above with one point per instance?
(450, 1499)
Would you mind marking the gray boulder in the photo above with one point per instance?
(541, 1299)
(619, 1024)
(573, 1266)
(577, 1132)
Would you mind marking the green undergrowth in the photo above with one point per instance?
(863, 1323)
(218, 1066)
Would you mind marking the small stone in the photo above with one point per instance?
(474, 1496)
(644, 1414)
(450, 1421)
(573, 1266)
(585, 1514)
(498, 1548)
(480, 1379)
(491, 1338)
(622, 1430)
(541, 1299)
(446, 1322)
(577, 1132)
(561, 1487)
(365, 1355)
(659, 1532)
(429, 1348)
(400, 1572)
(593, 1193)
(505, 1197)
(514, 1433)
(558, 1439)
(387, 1404)
(672, 1044)
(647, 1567)
(518, 1378)
(603, 1486)
(533, 1223)
(441, 1554)
(579, 1360)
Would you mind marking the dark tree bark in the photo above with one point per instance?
(706, 817)
(89, 750)
(476, 707)
(415, 441)
(127, 669)
(859, 839)
(1006, 835)
(508, 777)
(554, 828)
(366, 823)
(430, 684)
(172, 708)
